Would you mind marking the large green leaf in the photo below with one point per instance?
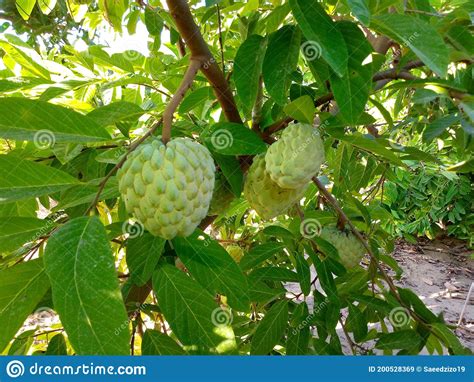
(281, 59)
(210, 264)
(421, 37)
(157, 343)
(86, 293)
(15, 231)
(22, 288)
(233, 139)
(321, 33)
(403, 339)
(259, 254)
(143, 253)
(248, 68)
(351, 91)
(27, 58)
(116, 112)
(191, 312)
(42, 122)
(271, 329)
(360, 9)
(21, 179)
(25, 7)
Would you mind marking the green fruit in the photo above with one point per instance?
(296, 157)
(168, 188)
(264, 195)
(349, 247)
(222, 196)
(235, 252)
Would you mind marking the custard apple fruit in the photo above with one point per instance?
(264, 195)
(222, 196)
(349, 247)
(168, 188)
(235, 252)
(296, 157)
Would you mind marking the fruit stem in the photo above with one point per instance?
(194, 66)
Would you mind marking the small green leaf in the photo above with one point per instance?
(321, 33)
(248, 68)
(302, 109)
(259, 254)
(153, 21)
(45, 123)
(281, 59)
(403, 339)
(25, 7)
(233, 139)
(191, 312)
(116, 112)
(270, 330)
(196, 98)
(422, 38)
(23, 287)
(86, 293)
(143, 253)
(360, 9)
(210, 264)
(22, 179)
(57, 345)
(157, 343)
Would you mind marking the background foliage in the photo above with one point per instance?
(390, 83)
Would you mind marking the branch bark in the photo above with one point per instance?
(188, 79)
(189, 31)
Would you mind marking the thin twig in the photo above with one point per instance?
(194, 66)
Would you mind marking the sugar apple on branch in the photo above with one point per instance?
(265, 196)
(296, 157)
(168, 188)
(349, 247)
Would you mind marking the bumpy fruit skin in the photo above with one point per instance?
(296, 157)
(264, 195)
(222, 196)
(168, 188)
(235, 252)
(350, 249)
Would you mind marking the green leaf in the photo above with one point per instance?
(190, 311)
(21, 179)
(448, 338)
(25, 7)
(248, 68)
(360, 9)
(113, 11)
(57, 345)
(299, 336)
(45, 123)
(86, 293)
(157, 343)
(437, 127)
(153, 21)
(271, 329)
(259, 254)
(23, 287)
(302, 109)
(143, 253)
(47, 6)
(422, 38)
(351, 91)
(232, 171)
(116, 112)
(15, 231)
(357, 323)
(281, 59)
(196, 98)
(304, 274)
(233, 139)
(321, 33)
(403, 339)
(27, 58)
(275, 274)
(210, 264)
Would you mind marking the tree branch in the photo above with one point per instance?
(186, 83)
(191, 34)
